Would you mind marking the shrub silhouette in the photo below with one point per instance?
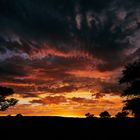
(122, 114)
(105, 114)
(88, 115)
(6, 103)
(131, 78)
(19, 115)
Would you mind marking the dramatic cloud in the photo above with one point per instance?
(65, 46)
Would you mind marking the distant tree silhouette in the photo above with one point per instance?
(105, 114)
(88, 115)
(122, 114)
(131, 78)
(6, 103)
(19, 115)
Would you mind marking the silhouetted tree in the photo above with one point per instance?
(19, 115)
(6, 103)
(4, 91)
(133, 105)
(122, 114)
(131, 78)
(88, 115)
(105, 114)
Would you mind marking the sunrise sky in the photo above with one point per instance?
(65, 57)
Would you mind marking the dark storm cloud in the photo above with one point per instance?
(32, 76)
(13, 67)
(103, 27)
(56, 68)
(53, 18)
(111, 88)
(46, 75)
(30, 18)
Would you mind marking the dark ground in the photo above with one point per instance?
(70, 128)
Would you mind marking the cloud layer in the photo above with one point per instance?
(60, 46)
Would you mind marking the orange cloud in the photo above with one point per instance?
(51, 100)
(17, 84)
(65, 106)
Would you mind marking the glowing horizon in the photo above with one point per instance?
(66, 57)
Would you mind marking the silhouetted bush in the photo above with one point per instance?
(19, 115)
(122, 114)
(105, 114)
(88, 115)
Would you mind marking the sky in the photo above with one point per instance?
(65, 57)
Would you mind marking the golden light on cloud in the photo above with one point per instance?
(80, 93)
(76, 104)
(17, 84)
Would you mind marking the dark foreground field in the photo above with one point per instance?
(70, 128)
